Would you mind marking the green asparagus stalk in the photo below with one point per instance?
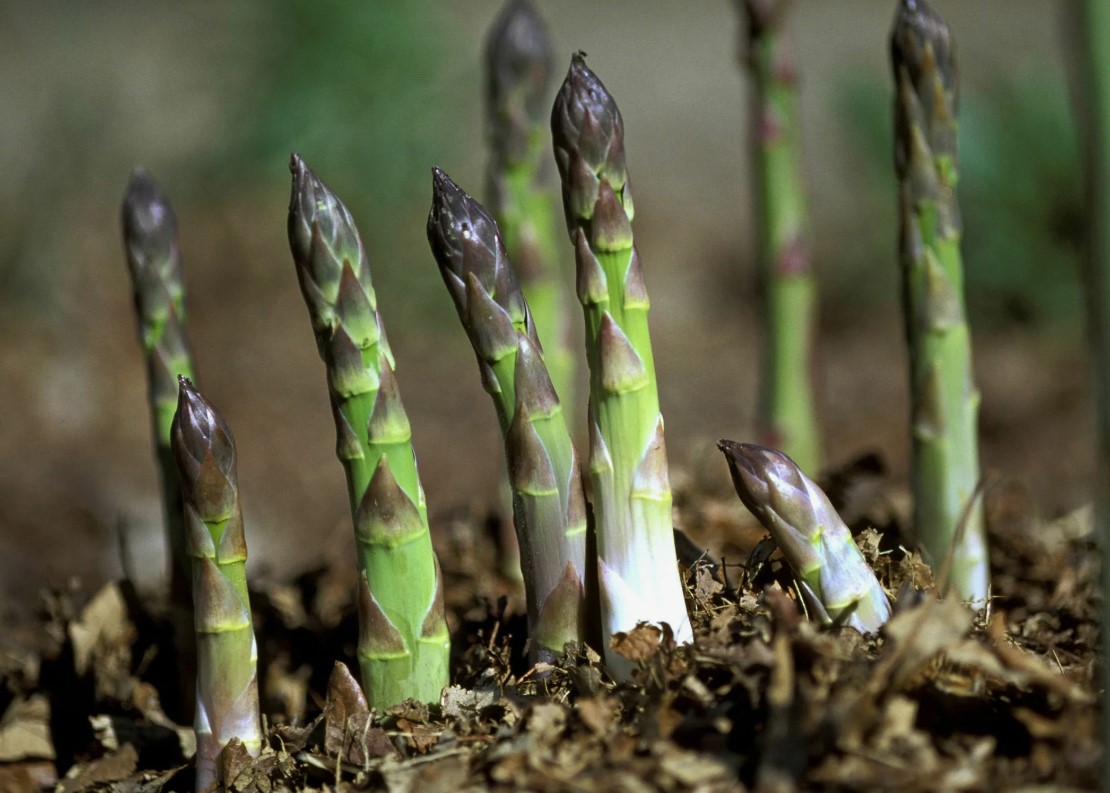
(787, 414)
(548, 504)
(637, 565)
(518, 73)
(834, 578)
(154, 259)
(1094, 80)
(403, 645)
(227, 655)
(944, 399)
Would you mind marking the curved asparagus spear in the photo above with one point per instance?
(548, 505)
(834, 576)
(944, 399)
(404, 645)
(637, 565)
(786, 413)
(227, 655)
(518, 72)
(154, 260)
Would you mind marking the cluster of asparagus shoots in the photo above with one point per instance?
(944, 399)
(404, 644)
(787, 413)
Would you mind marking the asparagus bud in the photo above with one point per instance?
(637, 564)
(834, 577)
(518, 73)
(548, 506)
(404, 646)
(787, 413)
(944, 399)
(154, 260)
(227, 655)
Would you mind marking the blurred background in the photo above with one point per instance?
(212, 97)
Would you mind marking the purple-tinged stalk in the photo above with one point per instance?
(548, 505)
(787, 413)
(944, 400)
(227, 655)
(518, 67)
(637, 565)
(157, 281)
(404, 646)
(833, 576)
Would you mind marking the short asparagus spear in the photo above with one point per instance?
(227, 655)
(404, 645)
(786, 412)
(154, 259)
(518, 73)
(944, 399)
(548, 505)
(637, 565)
(833, 575)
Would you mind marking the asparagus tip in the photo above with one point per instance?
(918, 27)
(147, 213)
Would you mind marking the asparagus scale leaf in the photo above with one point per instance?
(227, 654)
(637, 564)
(518, 65)
(834, 576)
(154, 261)
(404, 645)
(944, 399)
(787, 412)
(548, 504)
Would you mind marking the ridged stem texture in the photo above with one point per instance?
(403, 645)
(787, 412)
(1094, 79)
(227, 654)
(549, 508)
(637, 566)
(518, 65)
(944, 399)
(154, 260)
(833, 576)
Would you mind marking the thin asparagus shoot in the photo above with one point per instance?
(404, 645)
(154, 261)
(548, 504)
(833, 576)
(787, 413)
(518, 66)
(227, 655)
(944, 399)
(637, 565)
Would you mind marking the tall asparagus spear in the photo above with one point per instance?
(834, 576)
(944, 399)
(518, 73)
(227, 655)
(786, 413)
(548, 505)
(637, 565)
(403, 645)
(154, 259)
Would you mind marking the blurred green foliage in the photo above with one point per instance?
(1020, 194)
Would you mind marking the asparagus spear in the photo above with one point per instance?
(404, 645)
(154, 259)
(833, 575)
(227, 655)
(548, 504)
(944, 399)
(786, 413)
(637, 565)
(518, 73)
